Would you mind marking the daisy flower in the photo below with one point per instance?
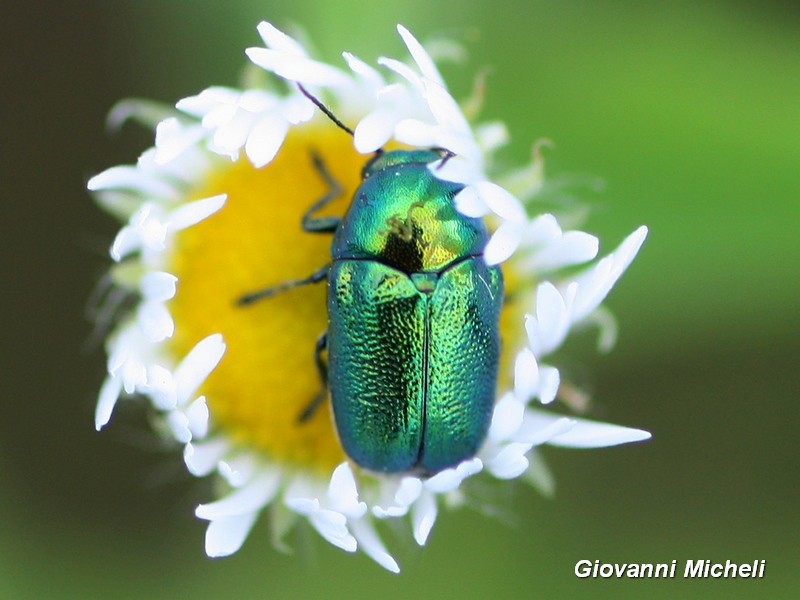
(212, 212)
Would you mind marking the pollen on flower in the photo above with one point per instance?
(514, 308)
(268, 375)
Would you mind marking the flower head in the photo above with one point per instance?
(212, 212)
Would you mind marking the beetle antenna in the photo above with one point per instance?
(318, 103)
(446, 155)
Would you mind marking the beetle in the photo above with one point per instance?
(413, 336)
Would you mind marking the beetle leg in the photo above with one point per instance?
(322, 369)
(251, 297)
(312, 224)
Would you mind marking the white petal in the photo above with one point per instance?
(369, 75)
(423, 517)
(371, 545)
(445, 110)
(456, 142)
(258, 102)
(197, 416)
(109, 393)
(539, 427)
(297, 109)
(179, 425)
(266, 139)
(408, 490)
(161, 387)
(594, 285)
(461, 170)
(297, 68)
(240, 469)
(542, 230)
(229, 138)
(572, 248)
(201, 459)
(469, 203)
(526, 375)
(549, 327)
(158, 286)
(506, 419)
(416, 133)
(210, 99)
(343, 493)
(450, 479)
(510, 462)
(119, 349)
(247, 499)
(131, 178)
(420, 56)
(197, 365)
(127, 240)
(173, 138)
(221, 114)
(333, 527)
(501, 202)
(550, 380)
(397, 96)
(403, 70)
(374, 130)
(502, 244)
(277, 40)
(149, 226)
(226, 536)
(303, 506)
(134, 375)
(593, 434)
(155, 321)
(193, 212)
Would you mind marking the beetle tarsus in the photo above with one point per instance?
(322, 369)
(309, 410)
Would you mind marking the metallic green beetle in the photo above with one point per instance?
(412, 340)
(413, 312)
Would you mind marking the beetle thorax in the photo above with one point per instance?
(403, 216)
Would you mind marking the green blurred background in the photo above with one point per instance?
(689, 113)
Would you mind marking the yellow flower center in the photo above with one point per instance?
(268, 376)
